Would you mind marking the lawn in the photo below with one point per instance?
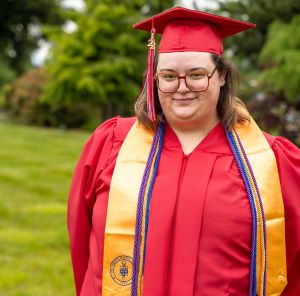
(36, 166)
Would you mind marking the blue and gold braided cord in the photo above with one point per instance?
(252, 282)
(143, 211)
(263, 232)
(258, 219)
(143, 230)
(151, 183)
(139, 213)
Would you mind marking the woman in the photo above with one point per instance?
(190, 197)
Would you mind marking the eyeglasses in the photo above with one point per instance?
(196, 80)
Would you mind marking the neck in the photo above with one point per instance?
(190, 135)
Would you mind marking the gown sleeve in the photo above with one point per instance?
(93, 159)
(288, 161)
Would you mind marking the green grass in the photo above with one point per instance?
(36, 167)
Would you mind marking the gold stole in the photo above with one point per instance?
(264, 166)
(122, 205)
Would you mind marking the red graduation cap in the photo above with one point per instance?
(184, 29)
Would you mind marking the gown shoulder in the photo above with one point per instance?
(288, 161)
(94, 157)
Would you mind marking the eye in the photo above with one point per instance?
(168, 76)
(196, 75)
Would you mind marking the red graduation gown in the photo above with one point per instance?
(200, 224)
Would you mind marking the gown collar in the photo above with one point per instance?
(214, 142)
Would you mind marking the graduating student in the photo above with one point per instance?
(189, 197)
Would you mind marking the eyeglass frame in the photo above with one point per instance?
(209, 76)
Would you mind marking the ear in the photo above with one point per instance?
(222, 78)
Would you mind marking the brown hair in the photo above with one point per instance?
(230, 109)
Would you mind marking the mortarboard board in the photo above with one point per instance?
(184, 29)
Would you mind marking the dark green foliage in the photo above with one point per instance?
(260, 12)
(102, 62)
(245, 47)
(6, 72)
(19, 26)
(281, 59)
(276, 115)
(280, 77)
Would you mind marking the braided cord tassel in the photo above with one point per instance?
(150, 77)
(143, 209)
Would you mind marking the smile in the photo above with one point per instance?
(184, 99)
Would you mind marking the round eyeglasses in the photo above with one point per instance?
(196, 80)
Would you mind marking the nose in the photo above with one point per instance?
(182, 87)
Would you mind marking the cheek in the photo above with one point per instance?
(212, 96)
(163, 98)
(214, 89)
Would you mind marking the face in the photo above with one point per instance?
(184, 107)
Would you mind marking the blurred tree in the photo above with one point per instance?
(22, 98)
(273, 96)
(280, 58)
(6, 72)
(103, 60)
(19, 32)
(261, 12)
(244, 48)
(280, 78)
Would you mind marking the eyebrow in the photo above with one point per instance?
(198, 68)
(192, 69)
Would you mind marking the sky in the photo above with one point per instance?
(40, 54)
(202, 4)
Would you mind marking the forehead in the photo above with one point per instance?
(184, 60)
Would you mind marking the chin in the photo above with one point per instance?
(185, 112)
(185, 116)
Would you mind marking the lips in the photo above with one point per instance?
(184, 99)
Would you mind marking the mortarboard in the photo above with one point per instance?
(184, 29)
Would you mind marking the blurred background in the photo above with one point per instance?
(65, 66)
